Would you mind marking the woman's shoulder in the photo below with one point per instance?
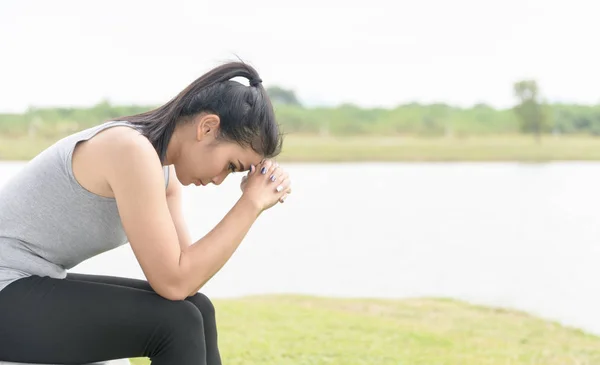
(126, 145)
(127, 148)
(114, 154)
(122, 145)
(104, 137)
(119, 135)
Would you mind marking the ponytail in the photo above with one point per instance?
(246, 113)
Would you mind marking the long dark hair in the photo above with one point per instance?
(246, 112)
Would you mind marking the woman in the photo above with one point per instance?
(121, 182)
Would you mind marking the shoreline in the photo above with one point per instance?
(335, 149)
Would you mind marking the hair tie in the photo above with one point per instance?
(255, 81)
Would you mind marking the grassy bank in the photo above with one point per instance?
(495, 148)
(305, 330)
(312, 148)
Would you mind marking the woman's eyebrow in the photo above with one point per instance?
(242, 168)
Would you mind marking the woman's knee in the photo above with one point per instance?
(179, 333)
(203, 303)
(184, 318)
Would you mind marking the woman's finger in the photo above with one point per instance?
(266, 167)
(282, 199)
(279, 176)
(284, 184)
(274, 171)
(243, 183)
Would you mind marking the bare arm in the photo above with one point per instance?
(208, 255)
(136, 178)
(174, 201)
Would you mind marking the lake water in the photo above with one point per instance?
(523, 236)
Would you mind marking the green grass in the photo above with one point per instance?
(493, 148)
(396, 148)
(299, 330)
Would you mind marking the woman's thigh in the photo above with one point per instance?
(111, 280)
(201, 301)
(47, 320)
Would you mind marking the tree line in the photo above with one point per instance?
(530, 115)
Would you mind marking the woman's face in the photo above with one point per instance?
(202, 159)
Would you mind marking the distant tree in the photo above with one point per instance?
(530, 110)
(282, 96)
(482, 106)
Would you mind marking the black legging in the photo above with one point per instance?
(84, 319)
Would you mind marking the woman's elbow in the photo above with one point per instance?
(169, 289)
(172, 293)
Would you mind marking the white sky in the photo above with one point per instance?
(372, 53)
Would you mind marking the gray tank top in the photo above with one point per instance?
(49, 223)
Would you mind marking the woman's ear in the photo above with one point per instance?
(208, 125)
